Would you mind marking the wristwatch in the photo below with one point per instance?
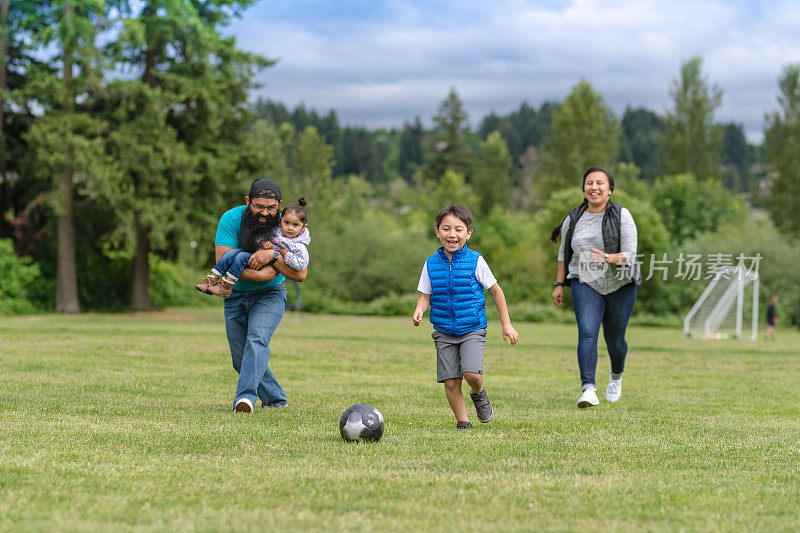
(275, 256)
(606, 258)
(558, 284)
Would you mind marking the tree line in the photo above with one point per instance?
(643, 137)
(126, 132)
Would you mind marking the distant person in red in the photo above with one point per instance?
(772, 317)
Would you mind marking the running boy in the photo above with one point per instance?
(452, 284)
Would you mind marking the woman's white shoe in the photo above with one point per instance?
(614, 389)
(588, 399)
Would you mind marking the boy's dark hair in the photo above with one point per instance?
(459, 211)
(298, 209)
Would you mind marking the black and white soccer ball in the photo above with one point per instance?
(361, 422)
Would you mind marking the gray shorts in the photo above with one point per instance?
(456, 355)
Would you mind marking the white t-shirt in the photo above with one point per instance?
(482, 273)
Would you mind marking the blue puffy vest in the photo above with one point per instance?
(458, 304)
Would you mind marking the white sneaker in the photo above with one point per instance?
(243, 406)
(614, 389)
(588, 399)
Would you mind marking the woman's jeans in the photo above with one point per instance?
(250, 320)
(613, 311)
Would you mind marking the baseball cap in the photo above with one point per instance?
(265, 188)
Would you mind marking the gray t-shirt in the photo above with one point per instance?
(588, 234)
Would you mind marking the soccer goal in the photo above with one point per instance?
(729, 300)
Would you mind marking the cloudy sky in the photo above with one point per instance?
(384, 62)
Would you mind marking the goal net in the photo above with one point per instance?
(728, 304)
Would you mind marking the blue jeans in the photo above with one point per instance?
(613, 311)
(232, 262)
(250, 320)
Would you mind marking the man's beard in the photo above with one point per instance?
(252, 231)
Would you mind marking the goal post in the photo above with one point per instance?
(729, 300)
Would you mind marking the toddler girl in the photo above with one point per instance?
(290, 240)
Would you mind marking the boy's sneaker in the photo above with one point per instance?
(482, 406)
(207, 282)
(222, 287)
(614, 389)
(463, 425)
(588, 399)
(243, 406)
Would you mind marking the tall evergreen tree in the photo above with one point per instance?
(198, 79)
(642, 141)
(523, 128)
(411, 152)
(67, 140)
(310, 171)
(358, 154)
(329, 128)
(67, 279)
(450, 150)
(5, 6)
(738, 158)
(493, 174)
(490, 123)
(19, 182)
(585, 133)
(782, 151)
(693, 140)
(274, 112)
(302, 119)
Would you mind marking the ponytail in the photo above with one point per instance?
(557, 230)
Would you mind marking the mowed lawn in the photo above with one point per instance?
(123, 422)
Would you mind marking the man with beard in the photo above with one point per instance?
(256, 304)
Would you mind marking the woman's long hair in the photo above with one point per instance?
(557, 230)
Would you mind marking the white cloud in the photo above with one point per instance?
(400, 63)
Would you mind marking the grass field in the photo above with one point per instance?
(122, 422)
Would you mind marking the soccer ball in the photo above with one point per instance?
(361, 422)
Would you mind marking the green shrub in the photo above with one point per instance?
(172, 285)
(19, 275)
(657, 321)
(777, 269)
(367, 255)
(104, 277)
(690, 207)
(393, 305)
(510, 242)
(317, 300)
(530, 312)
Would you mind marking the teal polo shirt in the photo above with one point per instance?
(228, 235)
